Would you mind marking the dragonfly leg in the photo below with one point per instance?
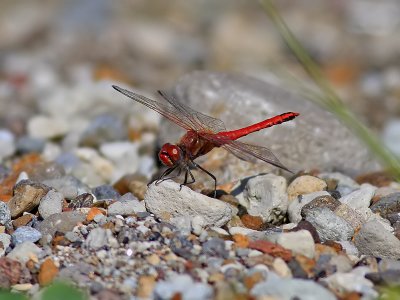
(163, 175)
(185, 182)
(209, 174)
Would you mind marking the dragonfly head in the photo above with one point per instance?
(170, 155)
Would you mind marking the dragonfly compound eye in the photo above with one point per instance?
(170, 155)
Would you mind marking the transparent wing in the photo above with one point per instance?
(201, 122)
(167, 110)
(245, 151)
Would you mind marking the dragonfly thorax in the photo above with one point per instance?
(170, 154)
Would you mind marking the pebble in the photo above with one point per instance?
(102, 129)
(24, 251)
(329, 226)
(387, 205)
(266, 196)
(215, 247)
(51, 203)
(342, 179)
(62, 222)
(321, 201)
(28, 144)
(45, 127)
(373, 239)
(69, 186)
(25, 234)
(5, 241)
(344, 283)
(99, 238)
(296, 205)
(167, 200)
(5, 214)
(305, 184)
(300, 242)
(360, 198)
(183, 285)
(126, 205)
(288, 289)
(27, 195)
(7, 144)
(105, 192)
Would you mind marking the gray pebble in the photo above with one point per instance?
(5, 214)
(329, 226)
(50, 204)
(25, 234)
(374, 239)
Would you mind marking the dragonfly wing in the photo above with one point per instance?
(201, 122)
(165, 109)
(244, 151)
(251, 153)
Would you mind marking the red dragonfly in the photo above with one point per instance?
(203, 134)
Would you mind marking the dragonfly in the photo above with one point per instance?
(204, 133)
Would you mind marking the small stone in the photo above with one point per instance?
(360, 198)
(5, 214)
(62, 222)
(343, 283)
(10, 272)
(271, 249)
(321, 201)
(72, 236)
(83, 200)
(99, 237)
(241, 240)
(24, 252)
(47, 127)
(93, 212)
(215, 247)
(145, 286)
(153, 259)
(287, 289)
(5, 241)
(105, 192)
(133, 183)
(350, 215)
(25, 234)
(265, 196)
(329, 226)
(47, 272)
(296, 205)
(104, 128)
(373, 239)
(252, 279)
(305, 184)
(126, 205)
(50, 204)
(385, 278)
(198, 225)
(252, 222)
(281, 268)
(7, 143)
(28, 144)
(23, 220)
(27, 195)
(378, 179)
(300, 242)
(341, 179)
(387, 205)
(69, 186)
(167, 200)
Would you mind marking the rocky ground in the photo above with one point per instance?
(76, 156)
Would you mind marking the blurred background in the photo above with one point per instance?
(59, 58)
